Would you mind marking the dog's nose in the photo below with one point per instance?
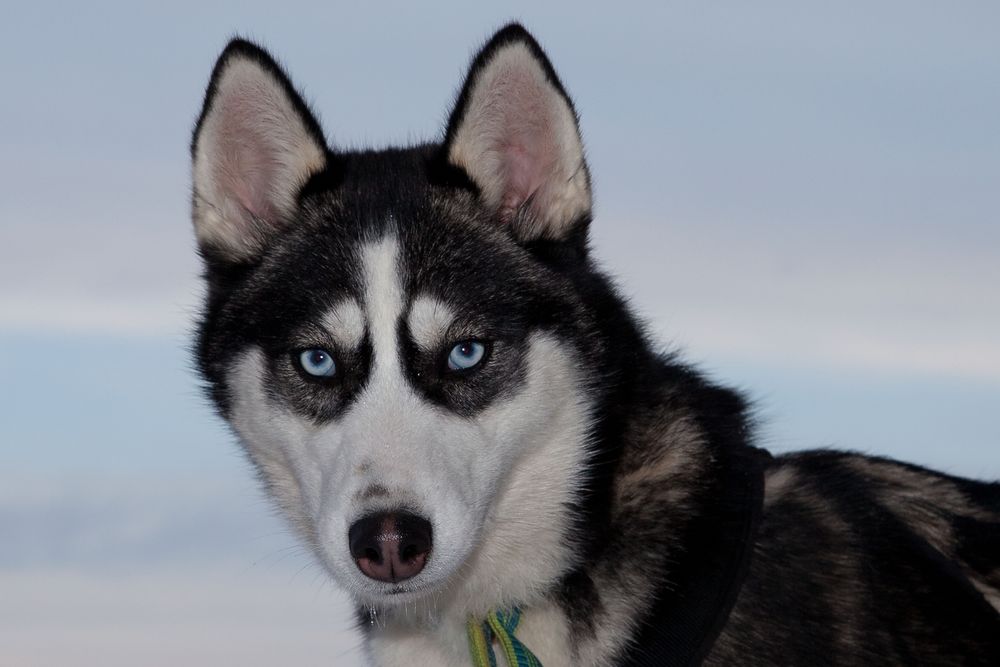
(390, 547)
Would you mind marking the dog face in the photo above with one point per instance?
(399, 338)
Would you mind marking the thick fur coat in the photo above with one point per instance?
(458, 413)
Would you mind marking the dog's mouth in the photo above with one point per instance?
(402, 590)
(395, 595)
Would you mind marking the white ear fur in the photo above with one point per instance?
(517, 139)
(252, 153)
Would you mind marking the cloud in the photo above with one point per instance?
(157, 315)
(193, 615)
(851, 296)
(125, 570)
(128, 522)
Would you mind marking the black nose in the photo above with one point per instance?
(390, 547)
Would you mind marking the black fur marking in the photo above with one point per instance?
(688, 615)
(446, 260)
(324, 399)
(978, 544)
(580, 600)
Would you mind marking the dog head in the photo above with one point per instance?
(403, 339)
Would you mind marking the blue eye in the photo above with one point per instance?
(318, 363)
(465, 355)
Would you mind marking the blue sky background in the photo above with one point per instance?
(804, 197)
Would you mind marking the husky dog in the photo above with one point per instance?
(458, 414)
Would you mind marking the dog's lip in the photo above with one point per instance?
(397, 589)
(400, 589)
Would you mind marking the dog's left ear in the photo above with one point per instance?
(514, 133)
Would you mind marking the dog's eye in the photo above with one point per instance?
(317, 362)
(466, 355)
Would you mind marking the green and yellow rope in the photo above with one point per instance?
(499, 625)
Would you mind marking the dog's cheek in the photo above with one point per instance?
(277, 441)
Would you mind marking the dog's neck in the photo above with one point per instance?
(686, 481)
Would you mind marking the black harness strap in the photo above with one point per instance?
(690, 612)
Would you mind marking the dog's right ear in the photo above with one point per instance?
(254, 147)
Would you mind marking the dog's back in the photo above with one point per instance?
(861, 560)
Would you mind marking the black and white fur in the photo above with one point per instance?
(575, 472)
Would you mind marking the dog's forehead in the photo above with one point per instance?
(379, 280)
(438, 258)
(414, 275)
(426, 280)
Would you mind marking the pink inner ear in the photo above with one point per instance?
(527, 143)
(247, 162)
(523, 175)
(247, 178)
